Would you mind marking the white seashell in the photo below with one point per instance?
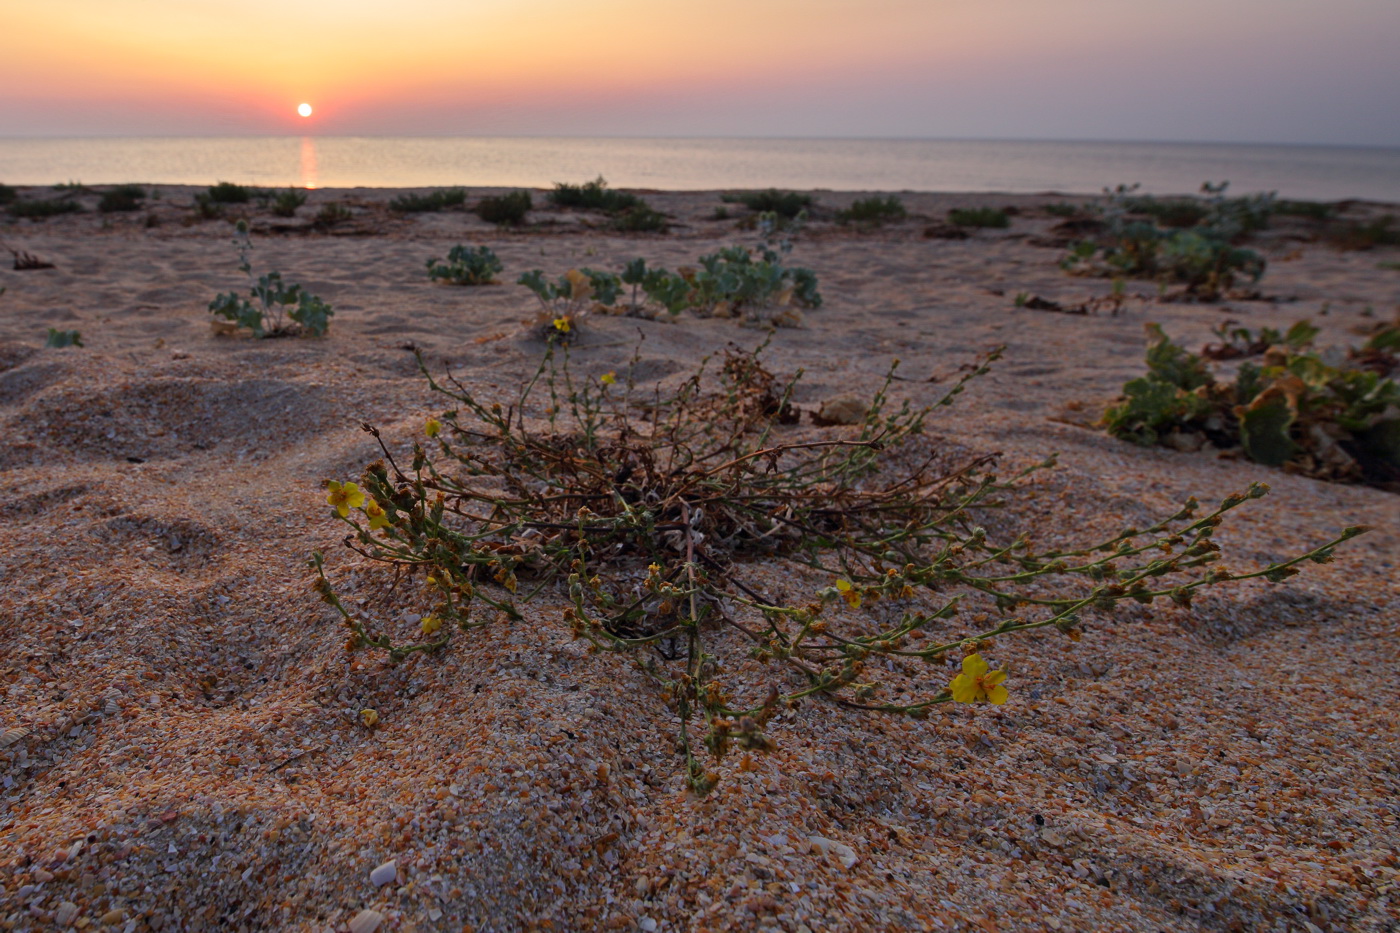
(366, 921)
(839, 850)
(387, 873)
(11, 736)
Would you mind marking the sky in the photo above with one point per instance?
(1267, 71)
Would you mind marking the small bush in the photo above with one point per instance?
(786, 204)
(640, 518)
(593, 196)
(63, 338)
(40, 209)
(427, 203)
(331, 214)
(874, 211)
(1298, 410)
(1065, 210)
(226, 192)
(123, 198)
(979, 217)
(1309, 210)
(1354, 236)
(641, 219)
(309, 315)
(565, 302)
(7, 194)
(466, 266)
(505, 210)
(285, 204)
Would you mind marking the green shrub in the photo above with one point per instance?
(505, 210)
(1333, 422)
(1064, 209)
(593, 196)
(63, 338)
(7, 194)
(1170, 212)
(1309, 210)
(638, 517)
(640, 219)
(786, 204)
(285, 204)
(226, 192)
(331, 214)
(1355, 236)
(123, 198)
(979, 217)
(427, 203)
(309, 315)
(466, 266)
(1239, 342)
(874, 211)
(40, 209)
(565, 302)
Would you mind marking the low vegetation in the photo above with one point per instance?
(466, 265)
(594, 196)
(636, 517)
(1297, 409)
(979, 217)
(506, 210)
(430, 202)
(274, 304)
(785, 204)
(122, 199)
(42, 208)
(285, 203)
(873, 212)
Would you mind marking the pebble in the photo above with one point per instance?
(366, 921)
(65, 914)
(387, 873)
(112, 917)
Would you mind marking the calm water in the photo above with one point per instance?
(682, 164)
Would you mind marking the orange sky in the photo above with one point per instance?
(1010, 68)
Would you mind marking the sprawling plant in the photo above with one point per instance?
(1295, 409)
(273, 300)
(466, 265)
(646, 519)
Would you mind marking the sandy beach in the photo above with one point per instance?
(181, 740)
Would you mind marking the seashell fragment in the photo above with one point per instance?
(366, 921)
(11, 736)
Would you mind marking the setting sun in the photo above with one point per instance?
(304, 110)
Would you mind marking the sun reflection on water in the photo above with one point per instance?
(308, 163)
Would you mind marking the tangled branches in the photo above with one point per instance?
(652, 516)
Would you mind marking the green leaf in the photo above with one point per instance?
(1264, 428)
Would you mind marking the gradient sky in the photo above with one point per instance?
(1285, 71)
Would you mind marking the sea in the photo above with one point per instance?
(1300, 172)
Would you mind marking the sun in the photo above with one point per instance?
(304, 109)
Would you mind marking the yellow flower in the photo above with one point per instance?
(608, 379)
(432, 427)
(977, 683)
(848, 593)
(563, 325)
(375, 512)
(344, 497)
(369, 717)
(431, 624)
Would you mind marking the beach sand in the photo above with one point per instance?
(182, 744)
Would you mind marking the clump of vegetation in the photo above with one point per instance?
(1239, 342)
(466, 265)
(1296, 410)
(565, 302)
(273, 301)
(285, 203)
(1203, 258)
(40, 209)
(226, 192)
(506, 210)
(57, 339)
(1309, 210)
(873, 211)
(640, 516)
(430, 202)
(1362, 236)
(979, 217)
(594, 196)
(7, 194)
(641, 219)
(1065, 210)
(330, 215)
(785, 204)
(122, 199)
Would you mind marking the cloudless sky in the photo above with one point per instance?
(1285, 71)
